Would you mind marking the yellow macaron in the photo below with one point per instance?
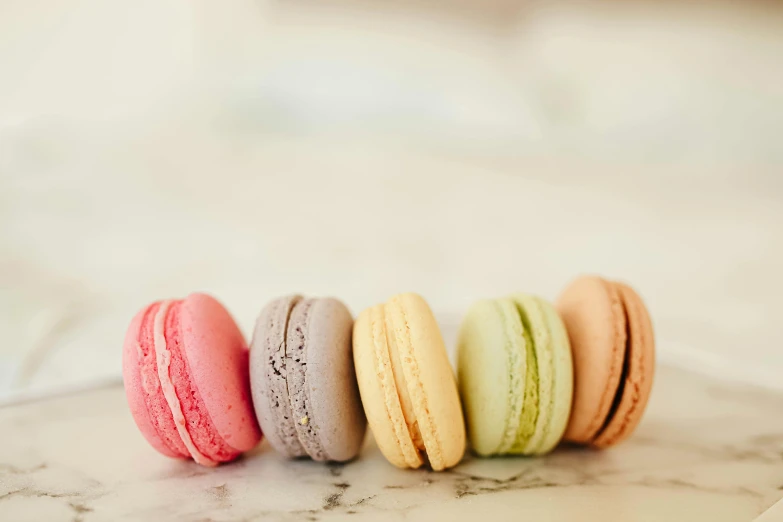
(406, 383)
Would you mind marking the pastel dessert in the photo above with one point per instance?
(407, 385)
(185, 371)
(614, 359)
(515, 375)
(303, 380)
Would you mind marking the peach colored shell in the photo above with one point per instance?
(614, 359)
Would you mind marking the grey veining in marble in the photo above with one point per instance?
(705, 451)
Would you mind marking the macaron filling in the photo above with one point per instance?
(163, 359)
(529, 415)
(517, 374)
(623, 376)
(154, 400)
(541, 332)
(165, 370)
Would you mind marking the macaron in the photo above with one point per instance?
(185, 371)
(515, 375)
(407, 385)
(614, 359)
(303, 381)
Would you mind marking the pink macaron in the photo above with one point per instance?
(185, 366)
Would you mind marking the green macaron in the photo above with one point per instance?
(515, 375)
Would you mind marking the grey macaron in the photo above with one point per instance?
(303, 381)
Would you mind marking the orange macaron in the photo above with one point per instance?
(613, 349)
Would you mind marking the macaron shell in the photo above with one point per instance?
(378, 391)
(135, 392)
(640, 371)
(194, 424)
(430, 380)
(594, 316)
(268, 377)
(297, 347)
(491, 372)
(217, 358)
(403, 392)
(334, 394)
(562, 376)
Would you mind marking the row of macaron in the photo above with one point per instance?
(530, 374)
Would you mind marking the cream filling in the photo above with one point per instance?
(163, 358)
(517, 364)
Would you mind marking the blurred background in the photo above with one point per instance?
(358, 148)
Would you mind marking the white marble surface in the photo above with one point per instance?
(705, 451)
(460, 149)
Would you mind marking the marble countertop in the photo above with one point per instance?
(450, 124)
(706, 450)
